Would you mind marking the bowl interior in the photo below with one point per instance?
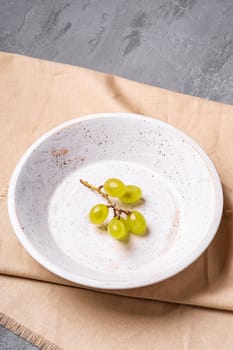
(180, 200)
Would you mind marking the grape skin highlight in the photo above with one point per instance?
(98, 214)
(137, 223)
(117, 229)
(114, 187)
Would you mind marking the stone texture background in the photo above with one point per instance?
(182, 45)
(10, 341)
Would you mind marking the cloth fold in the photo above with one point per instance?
(75, 318)
(37, 95)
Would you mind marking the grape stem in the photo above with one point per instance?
(117, 211)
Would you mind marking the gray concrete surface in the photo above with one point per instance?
(10, 341)
(182, 45)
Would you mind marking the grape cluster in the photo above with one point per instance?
(123, 221)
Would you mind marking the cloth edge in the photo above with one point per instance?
(27, 334)
(10, 53)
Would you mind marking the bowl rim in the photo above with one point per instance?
(104, 284)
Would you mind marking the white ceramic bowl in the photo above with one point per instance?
(49, 207)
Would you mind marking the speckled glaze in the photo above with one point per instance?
(48, 207)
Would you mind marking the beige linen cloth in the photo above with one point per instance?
(35, 96)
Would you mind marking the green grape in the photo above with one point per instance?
(117, 228)
(98, 214)
(114, 187)
(132, 194)
(125, 222)
(136, 223)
